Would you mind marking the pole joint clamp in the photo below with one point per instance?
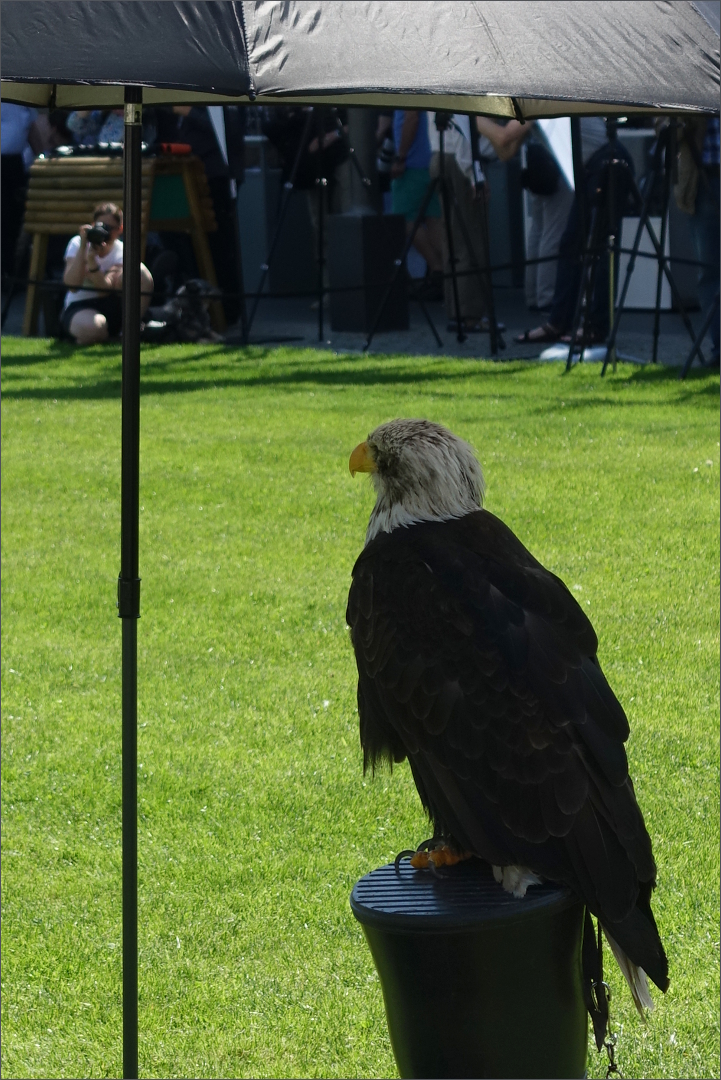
(128, 598)
(133, 114)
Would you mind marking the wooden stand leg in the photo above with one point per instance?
(202, 250)
(38, 261)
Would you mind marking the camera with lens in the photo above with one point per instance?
(99, 234)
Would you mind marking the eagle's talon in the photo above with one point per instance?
(430, 843)
(440, 855)
(402, 855)
(420, 860)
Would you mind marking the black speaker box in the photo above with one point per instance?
(362, 254)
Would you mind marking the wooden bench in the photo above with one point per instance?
(63, 192)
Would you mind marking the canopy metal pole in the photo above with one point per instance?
(128, 581)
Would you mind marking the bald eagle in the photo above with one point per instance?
(478, 665)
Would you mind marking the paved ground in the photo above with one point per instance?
(635, 339)
(295, 319)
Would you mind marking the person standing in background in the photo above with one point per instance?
(21, 140)
(549, 205)
(410, 178)
(385, 148)
(458, 169)
(595, 150)
(706, 228)
(92, 126)
(697, 194)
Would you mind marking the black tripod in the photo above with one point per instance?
(696, 349)
(616, 184)
(448, 198)
(321, 183)
(8, 301)
(601, 238)
(662, 165)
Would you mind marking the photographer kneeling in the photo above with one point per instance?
(94, 260)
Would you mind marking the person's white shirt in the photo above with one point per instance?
(456, 140)
(113, 258)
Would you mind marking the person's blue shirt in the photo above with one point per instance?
(710, 150)
(419, 155)
(15, 122)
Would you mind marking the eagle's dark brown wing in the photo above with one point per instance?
(478, 665)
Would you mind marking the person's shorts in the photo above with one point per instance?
(409, 191)
(110, 306)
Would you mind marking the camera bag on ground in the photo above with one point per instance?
(183, 318)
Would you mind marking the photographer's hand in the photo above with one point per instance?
(76, 268)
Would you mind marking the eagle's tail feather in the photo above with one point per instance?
(635, 976)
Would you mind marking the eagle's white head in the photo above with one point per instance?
(421, 472)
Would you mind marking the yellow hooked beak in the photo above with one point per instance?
(361, 460)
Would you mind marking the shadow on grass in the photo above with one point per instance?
(180, 371)
(156, 377)
(57, 351)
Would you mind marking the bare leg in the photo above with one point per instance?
(89, 327)
(423, 243)
(146, 288)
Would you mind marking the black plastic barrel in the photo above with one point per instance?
(476, 983)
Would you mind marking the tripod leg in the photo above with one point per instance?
(399, 267)
(589, 255)
(240, 278)
(365, 180)
(429, 320)
(287, 189)
(8, 302)
(595, 269)
(644, 206)
(322, 188)
(713, 310)
(670, 278)
(659, 275)
(484, 276)
(460, 335)
(629, 270)
(611, 350)
(496, 341)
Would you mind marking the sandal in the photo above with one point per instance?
(591, 339)
(542, 335)
(481, 327)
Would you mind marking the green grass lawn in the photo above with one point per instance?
(255, 819)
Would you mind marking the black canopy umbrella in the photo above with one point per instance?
(523, 59)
